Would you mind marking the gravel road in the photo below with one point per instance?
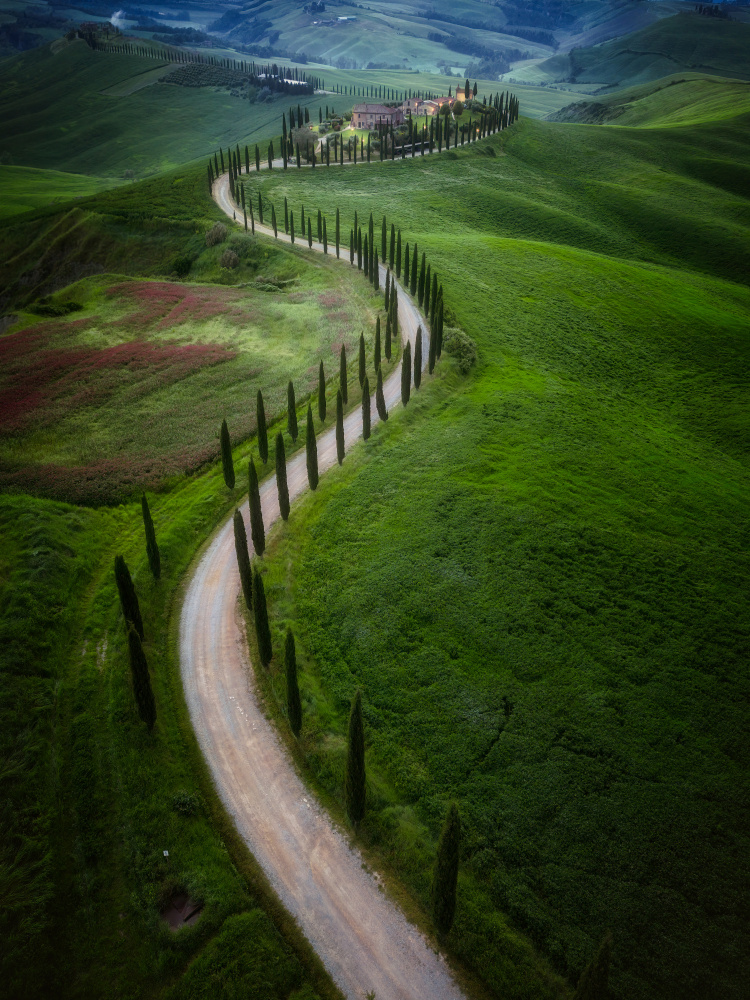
(361, 936)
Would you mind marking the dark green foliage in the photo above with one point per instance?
(128, 597)
(281, 480)
(433, 299)
(343, 375)
(366, 418)
(320, 226)
(418, 359)
(340, 445)
(376, 357)
(446, 871)
(380, 398)
(257, 529)
(388, 337)
(262, 430)
(152, 548)
(420, 287)
(387, 288)
(286, 215)
(291, 412)
(260, 613)
(428, 279)
(338, 232)
(274, 224)
(355, 780)
(407, 266)
(431, 357)
(392, 250)
(594, 981)
(362, 359)
(366, 257)
(414, 272)
(398, 255)
(406, 374)
(144, 695)
(293, 701)
(384, 242)
(325, 237)
(311, 446)
(227, 462)
(321, 393)
(243, 558)
(376, 273)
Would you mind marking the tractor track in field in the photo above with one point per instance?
(362, 937)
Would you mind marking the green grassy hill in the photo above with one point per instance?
(686, 42)
(535, 572)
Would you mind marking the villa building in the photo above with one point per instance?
(371, 115)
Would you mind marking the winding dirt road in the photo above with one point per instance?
(362, 938)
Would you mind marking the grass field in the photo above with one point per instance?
(26, 188)
(537, 575)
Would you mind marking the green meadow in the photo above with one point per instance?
(536, 573)
(27, 188)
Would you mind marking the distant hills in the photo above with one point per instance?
(686, 42)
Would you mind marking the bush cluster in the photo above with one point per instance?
(216, 234)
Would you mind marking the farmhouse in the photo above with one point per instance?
(370, 115)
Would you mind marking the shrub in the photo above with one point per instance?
(181, 265)
(461, 346)
(229, 259)
(185, 803)
(216, 234)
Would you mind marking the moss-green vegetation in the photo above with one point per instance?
(26, 188)
(536, 574)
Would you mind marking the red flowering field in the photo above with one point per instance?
(131, 392)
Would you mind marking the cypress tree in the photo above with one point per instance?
(407, 265)
(431, 354)
(380, 398)
(384, 242)
(398, 255)
(388, 336)
(320, 226)
(128, 598)
(325, 237)
(270, 155)
(439, 329)
(351, 247)
(227, 462)
(394, 314)
(366, 417)
(362, 359)
(262, 629)
(445, 879)
(376, 273)
(427, 280)
(291, 226)
(420, 287)
(321, 393)
(257, 530)
(152, 548)
(355, 781)
(433, 300)
(387, 288)
(594, 981)
(286, 215)
(377, 343)
(414, 272)
(309, 232)
(359, 249)
(340, 451)
(418, 359)
(391, 255)
(243, 558)
(343, 375)
(281, 481)
(312, 451)
(293, 701)
(273, 222)
(144, 695)
(338, 232)
(291, 412)
(406, 374)
(260, 413)
(366, 257)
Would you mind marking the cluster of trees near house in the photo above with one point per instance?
(443, 131)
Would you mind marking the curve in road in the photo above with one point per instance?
(363, 939)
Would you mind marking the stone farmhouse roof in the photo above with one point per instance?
(374, 109)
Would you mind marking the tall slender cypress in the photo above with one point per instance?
(321, 393)
(338, 232)
(431, 356)
(274, 225)
(243, 558)
(392, 249)
(394, 314)
(433, 299)
(376, 273)
(445, 879)
(144, 695)
(414, 272)
(325, 237)
(406, 374)
(418, 359)
(320, 226)
(291, 412)
(281, 482)
(343, 375)
(257, 530)
(384, 242)
(340, 449)
(227, 462)
(260, 613)
(293, 701)
(387, 288)
(366, 257)
(152, 548)
(398, 255)
(128, 597)
(387, 350)
(366, 416)
(380, 397)
(312, 451)
(362, 359)
(355, 781)
(407, 266)
(420, 286)
(427, 280)
(377, 343)
(260, 412)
